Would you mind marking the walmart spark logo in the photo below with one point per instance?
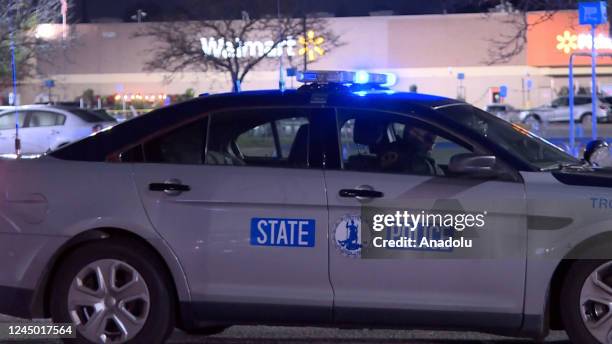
(311, 45)
(567, 42)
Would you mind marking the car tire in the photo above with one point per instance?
(137, 308)
(207, 331)
(586, 119)
(576, 301)
(533, 122)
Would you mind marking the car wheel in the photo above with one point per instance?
(586, 302)
(207, 331)
(533, 123)
(586, 120)
(113, 292)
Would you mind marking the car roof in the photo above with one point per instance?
(330, 98)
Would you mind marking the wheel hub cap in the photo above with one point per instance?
(108, 301)
(596, 303)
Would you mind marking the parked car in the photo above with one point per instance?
(47, 127)
(558, 111)
(504, 111)
(245, 208)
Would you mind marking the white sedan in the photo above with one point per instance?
(45, 127)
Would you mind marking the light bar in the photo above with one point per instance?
(341, 77)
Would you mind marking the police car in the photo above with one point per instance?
(247, 209)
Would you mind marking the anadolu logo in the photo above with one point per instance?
(347, 235)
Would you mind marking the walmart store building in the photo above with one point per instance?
(445, 55)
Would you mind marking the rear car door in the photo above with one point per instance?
(240, 197)
(41, 130)
(420, 286)
(561, 112)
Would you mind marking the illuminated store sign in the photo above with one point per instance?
(568, 42)
(311, 46)
(220, 48)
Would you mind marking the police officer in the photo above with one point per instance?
(411, 154)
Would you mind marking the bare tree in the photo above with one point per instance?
(235, 46)
(506, 46)
(19, 21)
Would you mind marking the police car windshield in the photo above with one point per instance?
(513, 138)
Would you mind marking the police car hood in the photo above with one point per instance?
(598, 177)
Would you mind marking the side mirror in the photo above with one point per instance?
(472, 164)
(597, 153)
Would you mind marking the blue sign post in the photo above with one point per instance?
(593, 13)
(460, 87)
(503, 91)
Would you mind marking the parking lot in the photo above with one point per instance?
(561, 130)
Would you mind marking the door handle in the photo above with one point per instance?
(361, 193)
(171, 187)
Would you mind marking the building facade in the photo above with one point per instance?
(447, 55)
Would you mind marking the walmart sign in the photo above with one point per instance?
(220, 48)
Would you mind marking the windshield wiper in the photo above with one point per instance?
(563, 165)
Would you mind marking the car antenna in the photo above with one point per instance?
(14, 77)
(281, 74)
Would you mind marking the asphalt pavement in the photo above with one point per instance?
(316, 335)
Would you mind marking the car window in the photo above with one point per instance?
(88, 116)
(104, 115)
(513, 138)
(560, 102)
(258, 142)
(183, 145)
(380, 142)
(581, 101)
(495, 108)
(45, 119)
(7, 120)
(266, 137)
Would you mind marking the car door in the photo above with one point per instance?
(582, 105)
(246, 216)
(561, 111)
(7, 131)
(421, 286)
(42, 128)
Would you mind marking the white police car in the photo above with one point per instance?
(246, 209)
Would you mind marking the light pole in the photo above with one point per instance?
(592, 13)
(593, 85)
(139, 16)
(572, 117)
(12, 28)
(64, 18)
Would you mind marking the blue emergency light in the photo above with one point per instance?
(346, 78)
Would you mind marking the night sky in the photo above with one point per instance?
(122, 10)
